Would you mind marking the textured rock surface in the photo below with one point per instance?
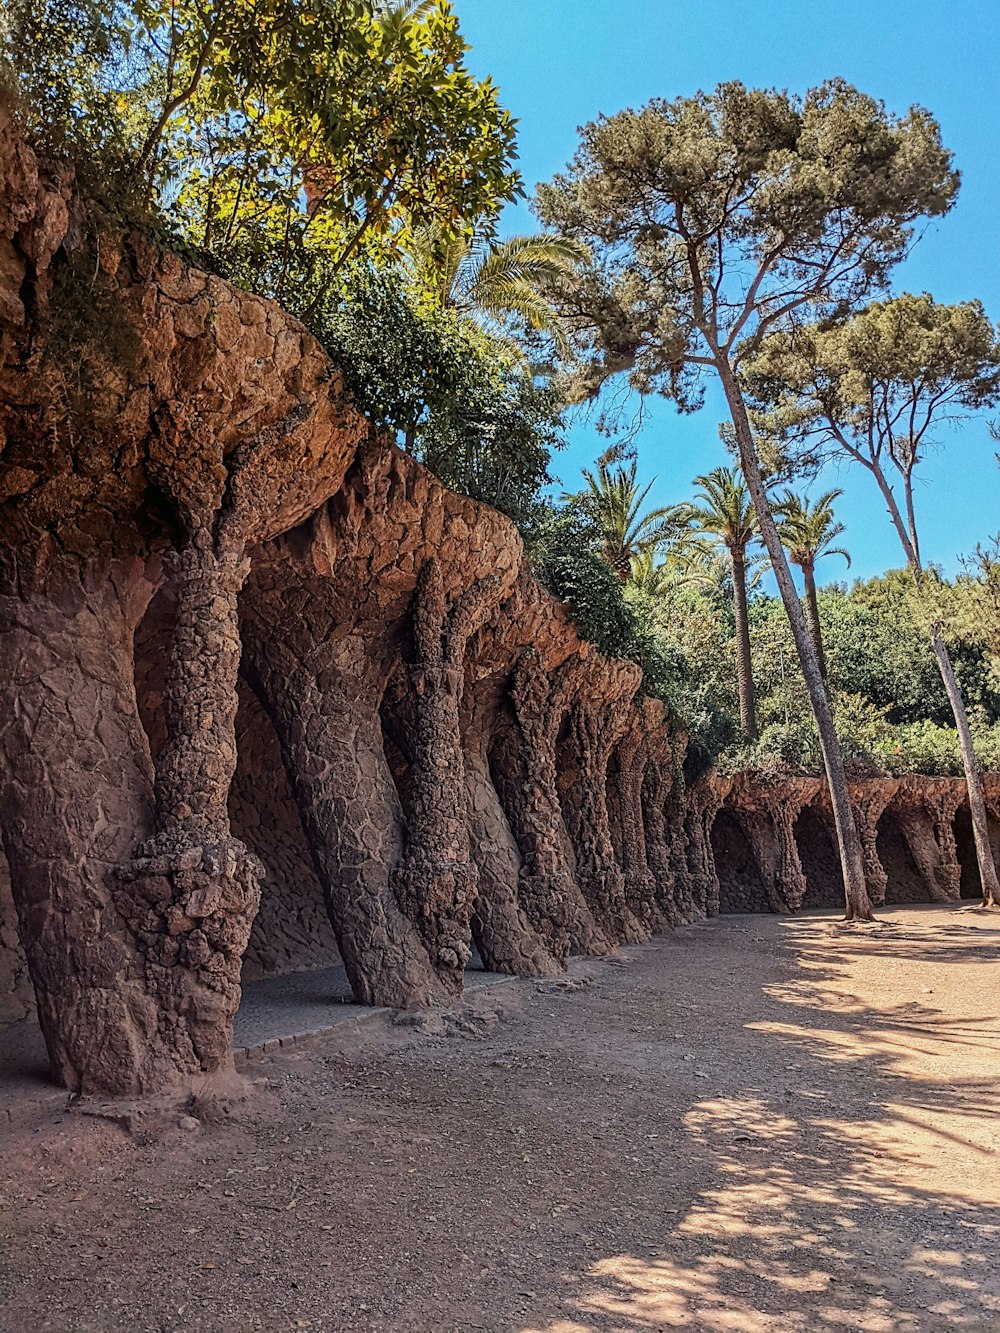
(271, 695)
(775, 847)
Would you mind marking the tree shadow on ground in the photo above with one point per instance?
(855, 1170)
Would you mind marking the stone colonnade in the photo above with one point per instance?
(466, 771)
(774, 843)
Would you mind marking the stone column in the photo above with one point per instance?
(594, 728)
(193, 889)
(76, 791)
(657, 782)
(506, 940)
(868, 805)
(629, 763)
(681, 881)
(436, 881)
(771, 830)
(702, 807)
(524, 769)
(321, 682)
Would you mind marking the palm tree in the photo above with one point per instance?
(613, 500)
(497, 281)
(724, 512)
(807, 533)
(691, 561)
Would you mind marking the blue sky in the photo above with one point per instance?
(559, 63)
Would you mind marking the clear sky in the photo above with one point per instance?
(559, 63)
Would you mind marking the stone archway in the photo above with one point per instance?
(819, 859)
(904, 882)
(965, 845)
(741, 884)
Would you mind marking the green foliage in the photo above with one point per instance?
(271, 132)
(872, 387)
(498, 282)
(613, 502)
(712, 217)
(889, 704)
(807, 528)
(462, 401)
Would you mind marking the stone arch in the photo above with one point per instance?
(971, 884)
(741, 884)
(820, 860)
(904, 882)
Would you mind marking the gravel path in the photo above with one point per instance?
(761, 1123)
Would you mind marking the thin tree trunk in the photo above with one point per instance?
(744, 665)
(973, 778)
(812, 617)
(849, 843)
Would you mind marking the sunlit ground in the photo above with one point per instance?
(758, 1125)
(862, 1193)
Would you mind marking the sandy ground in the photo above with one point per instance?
(760, 1123)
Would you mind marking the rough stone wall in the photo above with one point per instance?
(17, 997)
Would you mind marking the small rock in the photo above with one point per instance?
(190, 1123)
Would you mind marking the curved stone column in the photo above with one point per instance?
(321, 682)
(436, 880)
(597, 718)
(523, 763)
(76, 793)
(505, 938)
(629, 762)
(193, 888)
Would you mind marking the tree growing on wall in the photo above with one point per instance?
(871, 389)
(711, 219)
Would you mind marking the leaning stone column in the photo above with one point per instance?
(75, 793)
(631, 759)
(436, 881)
(771, 829)
(657, 782)
(193, 890)
(868, 803)
(506, 940)
(702, 807)
(547, 886)
(321, 681)
(595, 725)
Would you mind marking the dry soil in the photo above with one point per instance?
(756, 1124)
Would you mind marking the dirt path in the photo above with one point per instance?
(760, 1123)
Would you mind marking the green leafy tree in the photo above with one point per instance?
(872, 388)
(723, 511)
(711, 219)
(275, 134)
(461, 401)
(807, 532)
(614, 503)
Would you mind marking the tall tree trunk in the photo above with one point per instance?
(744, 666)
(907, 533)
(973, 778)
(812, 616)
(849, 843)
